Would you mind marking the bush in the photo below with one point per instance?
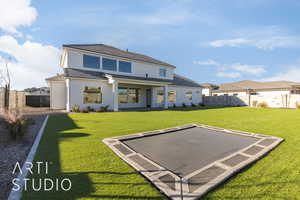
(263, 105)
(174, 105)
(75, 108)
(254, 103)
(16, 124)
(201, 104)
(183, 105)
(297, 105)
(84, 110)
(103, 109)
(90, 109)
(193, 105)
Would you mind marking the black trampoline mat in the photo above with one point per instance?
(185, 151)
(186, 162)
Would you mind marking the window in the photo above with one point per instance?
(215, 95)
(172, 96)
(162, 72)
(124, 66)
(123, 95)
(160, 96)
(235, 94)
(92, 95)
(128, 95)
(91, 62)
(189, 95)
(295, 91)
(109, 64)
(225, 94)
(133, 95)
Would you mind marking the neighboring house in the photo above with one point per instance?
(207, 88)
(246, 87)
(43, 91)
(99, 75)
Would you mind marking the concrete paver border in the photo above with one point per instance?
(16, 195)
(182, 183)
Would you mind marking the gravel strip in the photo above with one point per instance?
(12, 152)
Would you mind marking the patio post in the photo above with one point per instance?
(115, 96)
(165, 96)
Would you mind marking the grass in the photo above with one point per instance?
(72, 144)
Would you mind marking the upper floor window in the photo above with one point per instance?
(109, 64)
(162, 72)
(189, 95)
(91, 62)
(125, 67)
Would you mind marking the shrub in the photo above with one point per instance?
(201, 104)
(193, 105)
(16, 124)
(263, 105)
(174, 105)
(254, 103)
(103, 109)
(75, 108)
(84, 110)
(183, 105)
(90, 109)
(297, 105)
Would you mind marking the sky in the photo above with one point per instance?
(213, 41)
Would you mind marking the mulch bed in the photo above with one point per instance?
(15, 151)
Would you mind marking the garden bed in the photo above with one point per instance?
(15, 151)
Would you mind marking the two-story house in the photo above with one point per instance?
(100, 75)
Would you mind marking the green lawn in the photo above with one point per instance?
(73, 145)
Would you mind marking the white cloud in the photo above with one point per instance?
(15, 13)
(229, 74)
(292, 74)
(249, 69)
(234, 70)
(231, 43)
(33, 62)
(266, 38)
(207, 62)
(265, 44)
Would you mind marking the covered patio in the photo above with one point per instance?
(137, 94)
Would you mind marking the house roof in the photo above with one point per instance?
(209, 85)
(112, 51)
(183, 81)
(58, 77)
(256, 85)
(79, 73)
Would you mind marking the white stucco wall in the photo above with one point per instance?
(206, 91)
(76, 88)
(274, 92)
(74, 59)
(58, 94)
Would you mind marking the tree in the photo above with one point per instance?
(5, 82)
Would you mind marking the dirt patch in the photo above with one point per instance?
(15, 151)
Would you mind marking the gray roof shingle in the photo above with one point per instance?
(256, 85)
(79, 73)
(112, 51)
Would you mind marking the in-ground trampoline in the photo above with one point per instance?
(186, 162)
